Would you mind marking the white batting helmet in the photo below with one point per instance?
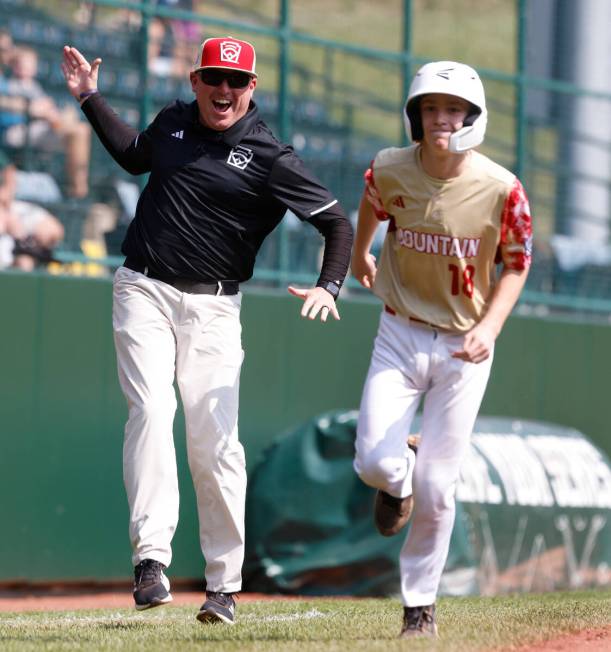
(451, 78)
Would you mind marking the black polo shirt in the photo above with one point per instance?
(212, 197)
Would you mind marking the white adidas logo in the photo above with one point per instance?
(179, 134)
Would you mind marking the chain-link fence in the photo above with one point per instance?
(338, 102)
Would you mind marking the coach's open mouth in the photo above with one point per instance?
(221, 105)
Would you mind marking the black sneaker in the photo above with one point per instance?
(151, 586)
(219, 607)
(419, 622)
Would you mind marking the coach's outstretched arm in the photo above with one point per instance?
(335, 228)
(298, 190)
(120, 139)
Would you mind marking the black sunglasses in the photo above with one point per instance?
(234, 79)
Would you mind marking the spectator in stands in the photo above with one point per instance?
(161, 50)
(9, 228)
(29, 116)
(41, 233)
(6, 51)
(6, 54)
(88, 15)
(172, 41)
(101, 218)
(28, 232)
(186, 34)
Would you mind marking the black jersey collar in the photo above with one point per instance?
(236, 132)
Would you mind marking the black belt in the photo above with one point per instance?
(185, 284)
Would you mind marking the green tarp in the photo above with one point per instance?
(533, 513)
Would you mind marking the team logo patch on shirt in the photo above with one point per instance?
(230, 51)
(398, 201)
(240, 157)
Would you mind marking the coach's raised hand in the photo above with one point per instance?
(80, 75)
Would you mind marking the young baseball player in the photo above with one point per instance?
(452, 215)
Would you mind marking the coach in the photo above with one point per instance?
(219, 183)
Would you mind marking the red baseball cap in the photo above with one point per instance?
(229, 53)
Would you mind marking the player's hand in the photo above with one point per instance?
(364, 269)
(477, 345)
(80, 75)
(315, 301)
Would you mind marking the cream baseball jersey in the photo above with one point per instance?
(445, 237)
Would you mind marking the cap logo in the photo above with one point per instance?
(445, 74)
(230, 51)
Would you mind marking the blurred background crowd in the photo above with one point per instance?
(47, 198)
(334, 89)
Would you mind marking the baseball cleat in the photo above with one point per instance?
(151, 586)
(218, 608)
(391, 514)
(419, 622)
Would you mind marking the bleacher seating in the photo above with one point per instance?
(331, 146)
(323, 143)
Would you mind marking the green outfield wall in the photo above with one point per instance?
(62, 505)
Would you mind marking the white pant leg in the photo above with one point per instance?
(395, 382)
(449, 412)
(208, 373)
(145, 347)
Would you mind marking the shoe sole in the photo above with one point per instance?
(398, 526)
(156, 602)
(211, 617)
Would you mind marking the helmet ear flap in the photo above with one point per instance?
(414, 120)
(474, 113)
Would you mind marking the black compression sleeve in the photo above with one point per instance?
(119, 138)
(337, 232)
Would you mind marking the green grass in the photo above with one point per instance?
(311, 625)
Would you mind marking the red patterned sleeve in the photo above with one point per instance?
(373, 195)
(515, 247)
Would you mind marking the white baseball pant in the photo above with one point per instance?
(411, 361)
(160, 333)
